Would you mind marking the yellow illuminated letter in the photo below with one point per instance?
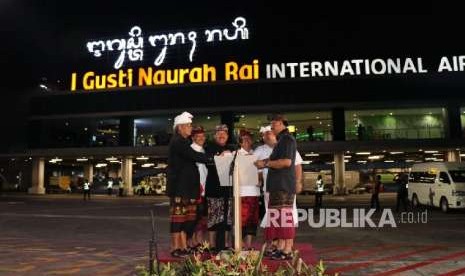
(231, 71)
(88, 84)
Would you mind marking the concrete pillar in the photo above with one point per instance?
(453, 156)
(339, 124)
(126, 167)
(89, 172)
(339, 171)
(453, 122)
(38, 172)
(126, 132)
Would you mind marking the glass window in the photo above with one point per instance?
(458, 176)
(80, 133)
(422, 177)
(158, 130)
(382, 124)
(306, 126)
(443, 177)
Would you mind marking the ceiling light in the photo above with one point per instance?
(375, 157)
(142, 158)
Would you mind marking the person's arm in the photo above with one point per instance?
(278, 164)
(298, 179)
(260, 178)
(285, 156)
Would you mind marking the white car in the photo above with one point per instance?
(438, 184)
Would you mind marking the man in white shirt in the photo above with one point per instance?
(86, 188)
(249, 197)
(263, 152)
(110, 186)
(198, 142)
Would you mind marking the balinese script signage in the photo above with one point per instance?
(132, 48)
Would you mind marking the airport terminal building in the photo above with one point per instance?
(353, 111)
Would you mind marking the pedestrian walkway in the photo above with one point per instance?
(394, 259)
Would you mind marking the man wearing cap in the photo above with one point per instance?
(183, 184)
(219, 198)
(263, 152)
(198, 142)
(249, 196)
(281, 185)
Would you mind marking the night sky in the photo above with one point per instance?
(47, 38)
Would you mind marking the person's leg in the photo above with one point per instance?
(288, 245)
(178, 218)
(212, 239)
(248, 241)
(405, 202)
(398, 199)
(175, 241)
(227, 239)
(280, 244)
(183, 241)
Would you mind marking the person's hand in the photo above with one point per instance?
(298, 187)
(260, 164)
(226, 152)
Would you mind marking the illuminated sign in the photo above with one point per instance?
(233, 72)
(133, 47)
(151, 76)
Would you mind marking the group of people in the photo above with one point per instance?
(401, 181)
(200, 205)
(86, 187)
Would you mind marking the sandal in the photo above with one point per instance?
(194, 249)
(270, 251)
(179, 253)
(282, 256)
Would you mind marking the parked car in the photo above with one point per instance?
(437, 184)
(361, 188)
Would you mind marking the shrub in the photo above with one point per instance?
(232, 264)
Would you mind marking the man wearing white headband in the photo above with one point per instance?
(183, 183)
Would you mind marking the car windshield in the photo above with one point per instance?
(458, 176)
